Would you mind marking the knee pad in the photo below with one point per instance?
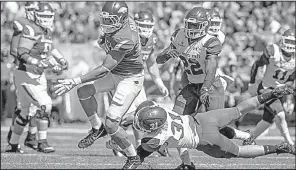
(111, 125)
(228, 132)
(85, 92)
(268, 115)
(20, 120)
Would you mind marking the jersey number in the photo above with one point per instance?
(176, 126)
(194, 66)
(47, 47)
(277, 73)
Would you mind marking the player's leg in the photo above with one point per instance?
(31, 138)
(126, 92)
(22, 119)
(282, 125)
(86, 95)
(186, 103)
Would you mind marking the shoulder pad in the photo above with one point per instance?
(152, 142)
(30, 32)
(18, 24)
(213, 45)
(175, 34)
(269, 51)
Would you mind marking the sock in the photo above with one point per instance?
(17, 131)
(265, 97)
(42, 135)
(95, 121)
(42, 125)
(184, 155)
(130, 151)
(33, 130)
(269, 149)
(281, 124)
(241, 135)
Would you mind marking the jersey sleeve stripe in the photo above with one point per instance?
(31, 30)
(18, 25)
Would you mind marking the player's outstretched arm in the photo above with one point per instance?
(154, 72)
(60, 58)
(263, 60)
(213, 47)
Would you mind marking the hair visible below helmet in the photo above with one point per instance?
(44, 15)
(113, 16)
(149, 117)
(196, 22)
(145, 23)
(288, 41)
(215, 22)
(30, 10)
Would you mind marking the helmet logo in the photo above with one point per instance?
(122, 10)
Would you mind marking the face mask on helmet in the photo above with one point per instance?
(44, 19)
(215, 25)
(195, 29)
(30, 11)
(145, 28)
(109, 23)
(288, 44)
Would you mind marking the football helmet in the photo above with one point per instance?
(288, 41)
(215, 22)
(113, 17)
(145, 23)
(197, 22)
(44, 15)
(149, 117)
(30, 10)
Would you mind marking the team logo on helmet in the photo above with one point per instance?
(122, 10)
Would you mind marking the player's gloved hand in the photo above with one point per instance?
(57, 70)
(63, 63)
(66, 85)
(43, 64)
(173, 53)
(204, 96)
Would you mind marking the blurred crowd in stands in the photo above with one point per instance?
(249, 27)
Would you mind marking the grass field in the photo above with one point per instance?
(69, 156)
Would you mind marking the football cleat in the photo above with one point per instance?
(250, 140)
(285, 148)
(31, 141)
(132, 162)
(14, 148)
(44, 147)
(283, 90)
(93, 135)
(189, 167)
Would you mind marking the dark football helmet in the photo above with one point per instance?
(145, 23)
(288, 41)
(30, 10)
(197, 22)
(215, 22)
(149, 117)
(114, 16)
(44, 15)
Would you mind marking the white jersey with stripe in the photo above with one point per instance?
(178, 131)
(278, 69)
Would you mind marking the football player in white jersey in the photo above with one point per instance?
(164, 128)
(279, 61)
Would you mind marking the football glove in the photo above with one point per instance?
(173, 53)
(63, 63)
(66, 85)
(205, 96)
